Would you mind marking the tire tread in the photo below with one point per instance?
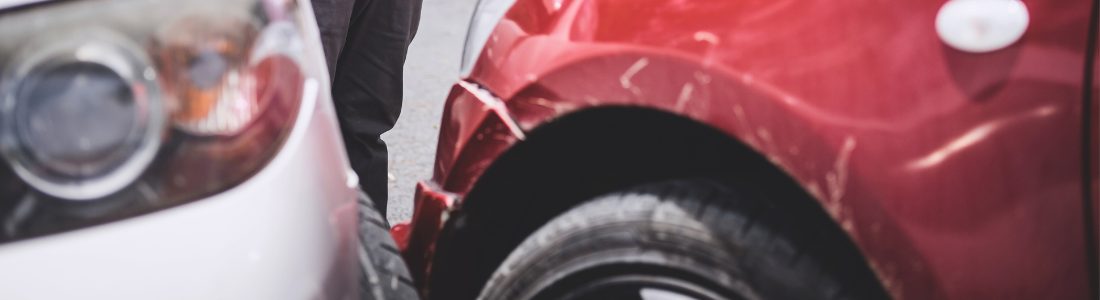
(385, 276)
(709, 202)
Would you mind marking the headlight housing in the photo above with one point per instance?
(79, 117)
(486, 16)
(112, 108)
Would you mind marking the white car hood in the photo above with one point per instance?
(11, 3)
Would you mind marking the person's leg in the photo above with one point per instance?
(367, 86)
(333, 17)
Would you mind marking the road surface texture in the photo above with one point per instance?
(431, 68)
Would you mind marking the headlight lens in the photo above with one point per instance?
(81, 119)
(486, 16)
(113, 108)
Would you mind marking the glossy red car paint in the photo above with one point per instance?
(958, 175)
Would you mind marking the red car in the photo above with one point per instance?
(672, 149)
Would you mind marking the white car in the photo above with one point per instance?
(160, 149)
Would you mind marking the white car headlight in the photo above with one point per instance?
(112, 108)
(486, 16)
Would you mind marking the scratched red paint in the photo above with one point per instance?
(957, 174)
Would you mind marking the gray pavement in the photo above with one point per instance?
(430, 70)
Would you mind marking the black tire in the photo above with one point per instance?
(384, 275)
(685, 237)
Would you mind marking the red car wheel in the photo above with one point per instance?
(671, 240)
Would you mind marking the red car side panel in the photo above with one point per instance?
(957, 174)
(1094, 148)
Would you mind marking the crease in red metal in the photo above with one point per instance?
(496, 106)
(431, 209)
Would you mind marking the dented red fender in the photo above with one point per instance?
(958, 175)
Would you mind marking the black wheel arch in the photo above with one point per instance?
(588, 153)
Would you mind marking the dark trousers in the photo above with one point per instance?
(365, 44)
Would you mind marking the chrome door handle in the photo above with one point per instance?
(980, 26)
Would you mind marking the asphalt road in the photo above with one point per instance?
(430, 70)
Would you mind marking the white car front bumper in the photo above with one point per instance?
(289, 232)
